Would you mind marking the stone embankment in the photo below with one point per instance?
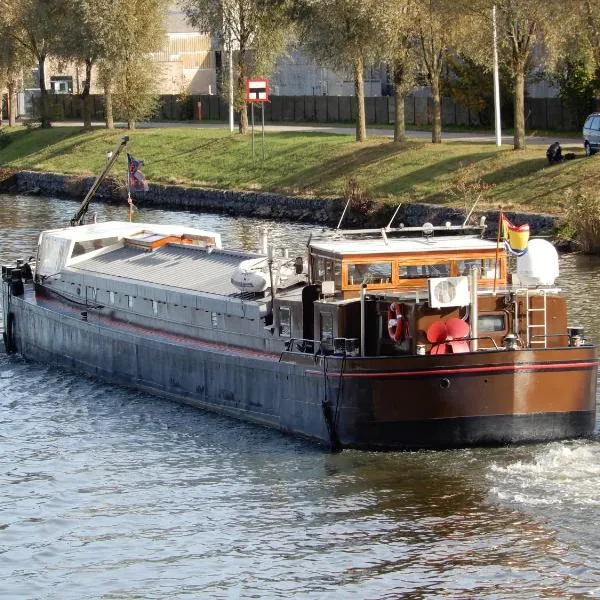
(322, 211)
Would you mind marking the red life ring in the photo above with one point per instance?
(397, 323)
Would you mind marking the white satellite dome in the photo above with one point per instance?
(539, 265)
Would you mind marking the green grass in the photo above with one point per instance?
(316, 164)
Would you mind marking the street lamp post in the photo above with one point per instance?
(496, 82)
(230, 83)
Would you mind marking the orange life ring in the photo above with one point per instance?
(397, 324)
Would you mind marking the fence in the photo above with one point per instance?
(541, 113)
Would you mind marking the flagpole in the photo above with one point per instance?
(128, 189)
(497, 247)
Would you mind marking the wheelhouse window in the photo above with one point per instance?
(326, 330)
(376, 272)
(327, 269)
(486, 266)
(492, 322)
(423, 271)
(285, 322)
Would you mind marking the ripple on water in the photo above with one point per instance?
(560, 474)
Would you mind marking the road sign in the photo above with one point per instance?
(257, 90)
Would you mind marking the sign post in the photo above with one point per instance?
(257, 90)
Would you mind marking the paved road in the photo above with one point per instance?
(459, 136)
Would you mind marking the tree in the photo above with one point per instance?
(127, 32)
(342, 34)
(13, 59)
(471, 86)
(39, 26)
(439, 25)
(254, 29)
(395, 22)
(589, 13)
(89, 40)
(577, 78)
(528, 31)
(135, 98)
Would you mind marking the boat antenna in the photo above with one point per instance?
(472, 209)
(343, 213)
(80, 214)
(393, 216)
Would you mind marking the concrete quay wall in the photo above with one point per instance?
(320, 211)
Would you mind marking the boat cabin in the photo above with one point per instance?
(404, 264)
(419, 291)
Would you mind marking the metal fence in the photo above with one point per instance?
(541, 113)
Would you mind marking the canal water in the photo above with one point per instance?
(108, 493)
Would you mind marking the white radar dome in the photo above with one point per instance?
(539, 265)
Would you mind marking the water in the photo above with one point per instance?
(113, 494)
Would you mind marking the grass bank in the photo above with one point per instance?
(317, 164)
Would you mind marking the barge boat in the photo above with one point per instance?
(398, 338)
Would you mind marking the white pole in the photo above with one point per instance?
(363, 292)
(230, 83)
(474, 309)
(496, 83)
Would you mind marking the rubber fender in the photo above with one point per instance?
(9, 335)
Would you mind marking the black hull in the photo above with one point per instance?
(342, 404)
(466, 432)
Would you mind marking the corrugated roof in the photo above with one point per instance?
(182, 267)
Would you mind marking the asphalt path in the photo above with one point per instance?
(458, 136)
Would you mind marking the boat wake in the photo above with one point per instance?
(559, 474)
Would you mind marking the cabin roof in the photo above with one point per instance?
(124, 229)
(184, 267)
(413, 245)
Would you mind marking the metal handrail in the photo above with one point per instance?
(469, 339)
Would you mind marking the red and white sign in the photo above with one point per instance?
(257, 90)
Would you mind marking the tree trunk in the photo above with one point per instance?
(242, 80)
(359, 94)
(44, 106)
(86, 99)
(12, 103)
(108, 107)
(519, 101)
(243, 124)
(399, 96)
(436, 131)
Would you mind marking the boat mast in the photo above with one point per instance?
(80, 214)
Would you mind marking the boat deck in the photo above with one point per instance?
(176, 266)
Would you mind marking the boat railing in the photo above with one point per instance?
(487, 338)
(545, 336)
(327, 347)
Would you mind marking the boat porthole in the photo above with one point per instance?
(445, 383)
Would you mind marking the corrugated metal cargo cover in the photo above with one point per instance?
(174, 266)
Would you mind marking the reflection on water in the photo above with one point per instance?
(109, 493)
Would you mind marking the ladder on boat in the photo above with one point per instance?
(536, 331)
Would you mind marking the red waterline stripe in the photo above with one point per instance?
(489, 369)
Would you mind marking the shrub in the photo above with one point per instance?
(583, 221)
(5, 139)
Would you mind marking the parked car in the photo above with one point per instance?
(591, 134)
